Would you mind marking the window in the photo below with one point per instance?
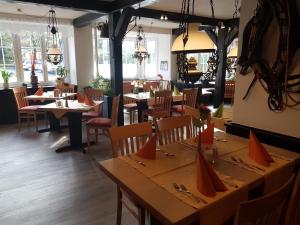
(7, 59)
(131, 68)
(30, 45)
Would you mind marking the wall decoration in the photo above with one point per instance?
(164, 65)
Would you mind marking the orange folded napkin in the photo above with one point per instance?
(39, 91)
(257, 152)
(80, 98)
(88, 101)
(148, 151)
(208, 182)
(207, 136)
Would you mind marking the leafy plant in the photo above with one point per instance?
(6, 75)
(102, 83)
(62, 72)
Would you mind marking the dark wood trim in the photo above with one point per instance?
(87, 19)
(268, 137)
(173, 16)
(122, 4)
(212, 35)
(123, 22)
(232, 34)
(221, 72)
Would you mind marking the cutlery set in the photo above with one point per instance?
(182, 189)
(250, 166)
(137, 161)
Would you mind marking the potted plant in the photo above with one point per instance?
(5, 76)
(61, 73)
(104, 84)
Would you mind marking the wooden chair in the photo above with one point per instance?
(229, 90)
(174, 129)
(162, 106)
(103, 123)
(26, 111)
(292, 216)
(129, 105)
(126, 140)
(95, 95)
(189, 97)
(147, 86)
(265, 210)
(197, 123)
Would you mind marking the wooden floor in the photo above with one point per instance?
(39, 186)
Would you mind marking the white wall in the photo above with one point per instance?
(164, 54)
(84, 55)
(254, 112)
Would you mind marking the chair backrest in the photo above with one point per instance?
(149, 84)
(127, 88)
(20, 93)
(292, 216)
(174, 129)
(94, 94)
(159, 97)
(130, 138)
(189, 96)
(115, 111)
(197, 124)
(229, 89)
(266, 210)
(69, 88)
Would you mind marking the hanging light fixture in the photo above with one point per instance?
(140, 52)
(54, 54)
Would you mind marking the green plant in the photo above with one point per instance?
(6, 75)
(62, 72)
(102, 83)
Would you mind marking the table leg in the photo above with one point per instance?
(141, 105)
(75, 132)
(54, 123)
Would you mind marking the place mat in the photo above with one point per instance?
(274, 176)
(224, 202)
(163, 163)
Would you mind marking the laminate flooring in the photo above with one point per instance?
(41, 187)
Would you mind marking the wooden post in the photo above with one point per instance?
(116, 64)
(220, 76)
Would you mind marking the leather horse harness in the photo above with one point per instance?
(276, 79)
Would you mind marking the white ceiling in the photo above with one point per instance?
(223, 8)
(38, 10)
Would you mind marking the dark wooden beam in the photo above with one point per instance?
(173, 16)
(212, 35)
(123, 22)
(233, 33)
(87, 19)
(220, 77)
(232, 22)
(122, 4)
(91, 6)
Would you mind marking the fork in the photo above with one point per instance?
(137, 161)
(179, 189)
(198, 199)
(250, 165)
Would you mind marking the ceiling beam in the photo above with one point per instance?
(97, 6)
(173, 16)
(87, 19)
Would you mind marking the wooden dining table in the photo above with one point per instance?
(73, 111)
(151, 184)
(143, 100)
(49, 96)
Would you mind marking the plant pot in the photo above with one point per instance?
(107, 104)
(60, 81)
(5, 85)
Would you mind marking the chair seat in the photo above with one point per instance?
(178, 108)
(130, 106)
(99, 122)
(155, 112)
(30, 108)
(91, 114)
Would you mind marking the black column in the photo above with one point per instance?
(116, 64)
(220, 77)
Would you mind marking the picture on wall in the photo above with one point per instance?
(164, 65)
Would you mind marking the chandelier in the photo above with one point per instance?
(140, 52)
(54, 54)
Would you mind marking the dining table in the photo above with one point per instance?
(73, 110)
(166, 187)
(46, 97)
(144, 100)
